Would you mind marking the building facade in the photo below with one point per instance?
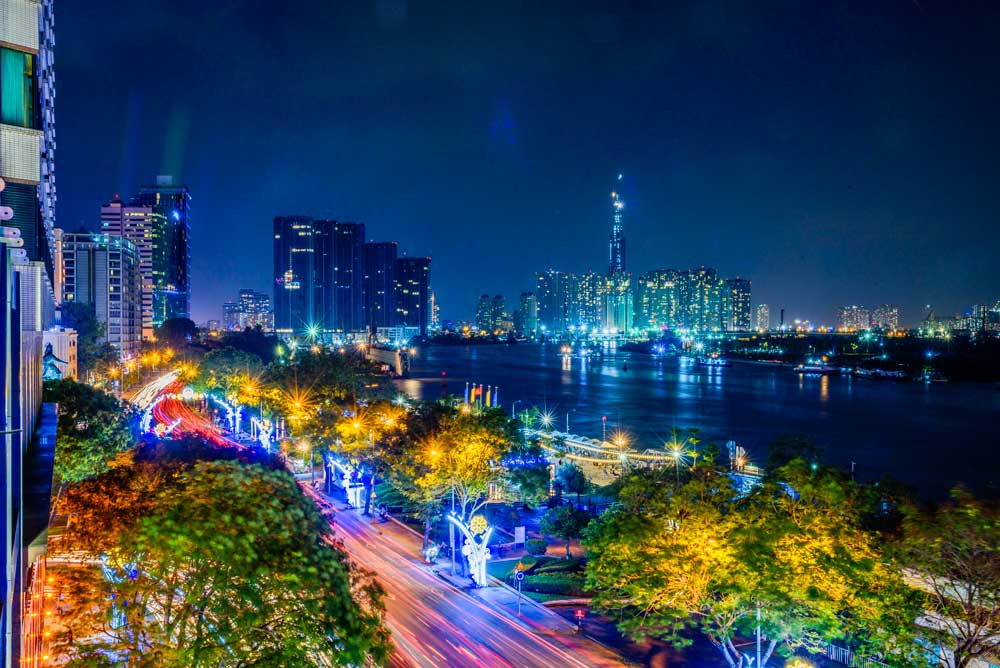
(739, 313)
(170, 205)
(413, 281)
(526, 320)
(885, 317)
(379, 283)
(294, 275)
(853, 318)
(103, 271)
(27, 209)
(339, 276)
(762, 320)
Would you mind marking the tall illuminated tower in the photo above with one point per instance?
(616, 242)
(618, 300)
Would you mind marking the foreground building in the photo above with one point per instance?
(27, 214)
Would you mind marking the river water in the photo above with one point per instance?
(929, 436)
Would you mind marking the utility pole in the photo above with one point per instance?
(758, 635)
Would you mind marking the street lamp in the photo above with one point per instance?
(572, 410)
(513, 408)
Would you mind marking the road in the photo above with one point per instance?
(436, 625)
(433, 623)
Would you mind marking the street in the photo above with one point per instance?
(433, 623)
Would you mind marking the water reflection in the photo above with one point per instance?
(867, 421)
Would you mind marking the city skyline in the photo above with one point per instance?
(732, 167)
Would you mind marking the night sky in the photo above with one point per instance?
(832, 152)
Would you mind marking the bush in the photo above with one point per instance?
(558, 583)
(559, 566)
(536, 546)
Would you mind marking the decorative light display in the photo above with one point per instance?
(476, 548)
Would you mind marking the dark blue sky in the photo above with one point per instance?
(834, 152)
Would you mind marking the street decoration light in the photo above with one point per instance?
(476, 549)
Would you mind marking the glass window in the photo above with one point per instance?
(18, 92)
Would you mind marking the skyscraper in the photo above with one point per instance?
(763, 319)
(701, 300)
(255, 310)
(231, 316)
(556, 294)
(339, 275)
(885, 317)
(853, 318)
(413, 280)
(171, 267)
(527, 315)
(103, 271)
(144, 229)
(658, 303)
(739, 313)
(618, 300)
(484, 313)
(294, 275)
(616, 241)
(379, 283)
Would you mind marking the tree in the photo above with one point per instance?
(232, 566)
(231, 372)
(700, 558)
(94, 353)
(566, 522)
(784, 449)
(177, 331)
(93, 428)
(952, 556)
(571, 478)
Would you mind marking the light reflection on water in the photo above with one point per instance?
(884, 426)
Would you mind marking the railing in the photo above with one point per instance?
(849, 658)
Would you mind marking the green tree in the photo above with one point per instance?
(571, 479)
(233, 566)
(952, 555)
(176, 331)
(231, 372)
(93, 428)
(697, 558)
(566, 522)
(94, 353)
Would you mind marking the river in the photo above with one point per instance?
(928, 436)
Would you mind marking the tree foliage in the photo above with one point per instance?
(94, 353)
(566, 522)
(700, 558)
(228, 565)
(93, 428)
(231, 372)
(953, 557)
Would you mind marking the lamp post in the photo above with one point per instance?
(604, 429)
(513, 408)
(572, 410)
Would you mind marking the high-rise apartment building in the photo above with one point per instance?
(231, 316)
(255, 310)
(435, 321)
(556, 292)
(589, 300)
(484, 314)
(526, 321)
(145, 229)
(701, 296)
(739, 311)
(413, 281)
(657, 301)
(102, 271)
(339, 275)
(379, 283)
(170, 205)
(762, 321)
(853, 318)
(885, 317)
